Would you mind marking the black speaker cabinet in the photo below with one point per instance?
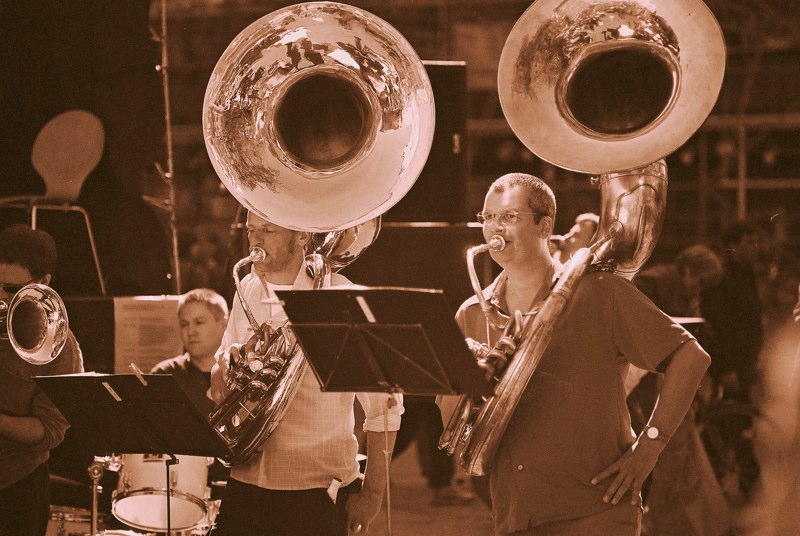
(91, 319)
(440, 192)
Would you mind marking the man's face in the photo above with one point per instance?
(524, 238)
(281, 245)
(201, 332)
(13, 276)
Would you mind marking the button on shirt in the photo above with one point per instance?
(314, 442)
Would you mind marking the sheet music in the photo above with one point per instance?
(146, 331)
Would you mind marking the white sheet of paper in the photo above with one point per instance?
(146, 331)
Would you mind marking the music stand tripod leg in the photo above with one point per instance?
(390, 402)
(95, 470)
(168, 462)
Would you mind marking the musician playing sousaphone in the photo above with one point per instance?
(318, 118)
(306, 473)
(568, 462)
(607, 89)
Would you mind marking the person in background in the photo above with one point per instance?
(732, 308)
(579, 236)
(569, 462)
(676, 287)
(554, 245)
(305, 480)
(30, 425)
(684, 496)
(772, 505)
(203, 315)
(422, 424)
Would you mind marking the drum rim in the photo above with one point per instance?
(120, 495)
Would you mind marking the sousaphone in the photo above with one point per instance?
(318, 117)
(604, 86)
(598, 87)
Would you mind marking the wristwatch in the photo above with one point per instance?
(651, 432)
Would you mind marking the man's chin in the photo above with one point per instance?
(261, 268)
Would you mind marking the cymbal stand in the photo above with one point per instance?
(96, 469)
(168, 175)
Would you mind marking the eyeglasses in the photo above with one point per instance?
(506, 218)
(13, 288)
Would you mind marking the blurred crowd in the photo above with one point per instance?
(738, 294)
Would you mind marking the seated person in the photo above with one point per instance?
(203, 315)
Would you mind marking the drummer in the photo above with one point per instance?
(203, 315)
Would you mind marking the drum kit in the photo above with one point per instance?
(140, 498)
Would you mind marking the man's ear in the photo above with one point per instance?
(303, 237)
(547, 227)
(46, 279)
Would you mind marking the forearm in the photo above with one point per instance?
(681, 380)
(379, 450)
(25, 430)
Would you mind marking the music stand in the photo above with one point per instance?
(133, 413)
(383, 339)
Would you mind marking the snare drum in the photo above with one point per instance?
(65, 520)
(140, 498)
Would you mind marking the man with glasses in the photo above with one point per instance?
(30, 426)
(569, 462)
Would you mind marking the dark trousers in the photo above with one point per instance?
(248, 510)
(422, 422)
(25, 505)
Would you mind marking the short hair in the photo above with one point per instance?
(33, 249)
(734, 233)
(701, 262)
(540, 197)
(215, 303)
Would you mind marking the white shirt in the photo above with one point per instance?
(314, 442)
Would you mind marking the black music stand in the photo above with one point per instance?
(134, 413)
(383, 339)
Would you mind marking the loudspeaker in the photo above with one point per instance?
(440, 192)
(91, 319)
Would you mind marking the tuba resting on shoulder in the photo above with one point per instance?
(607, 88)
(318, 117)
